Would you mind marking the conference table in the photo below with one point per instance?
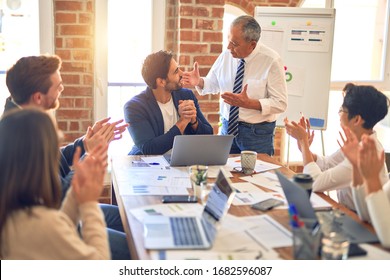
(134, 228)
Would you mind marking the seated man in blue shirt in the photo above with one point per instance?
(164, 109)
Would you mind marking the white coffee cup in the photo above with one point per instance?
(248, 161)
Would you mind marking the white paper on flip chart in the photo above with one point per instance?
(268, 232)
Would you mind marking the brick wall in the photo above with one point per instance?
(193, 33)
(74, 43)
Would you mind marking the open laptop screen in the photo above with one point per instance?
(219, 198)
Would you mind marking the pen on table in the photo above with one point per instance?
(153, 163)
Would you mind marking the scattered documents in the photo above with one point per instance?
(268, 232)
(261, 166)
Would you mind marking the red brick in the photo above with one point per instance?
(186, 10)
(73, 114)
(83, 55)
(64, 54)
(86, 18)
(205, 60)
(205, 24)
(65, 18)
(203, 71)
(76, 30)
(216, 48)
(59, 43)
(211, 2)
(184, 60)
(193, 48)
(186, 23)
(212, 36)
(70, 78)
(200, 12)
(217, 12)
(213, 118)
(74, 126)
(68, 5)
(77, 66)
(67, 102)
(87, 79)
(190, 36)
(77, 91)
(209, 107)
(62, 125)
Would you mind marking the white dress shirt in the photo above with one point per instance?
(334, 172)
(378, 204)
(265, 76)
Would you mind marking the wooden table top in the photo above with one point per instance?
(134, 228)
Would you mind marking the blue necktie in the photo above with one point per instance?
(233, 114)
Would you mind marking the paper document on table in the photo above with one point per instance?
(152, 190)
(268, 232)
(235, 228)
(248, 194)
(212, 171)
(204, 255)
(261, 166)
(171, 209)
(159, 182)
(156, 161)
(264, 181)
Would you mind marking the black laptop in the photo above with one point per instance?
(297, 196)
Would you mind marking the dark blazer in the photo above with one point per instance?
(146, 124)
(66, 154)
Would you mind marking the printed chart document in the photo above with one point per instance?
(268, 232)
(248, 194)
(170, 209)
(152, 181)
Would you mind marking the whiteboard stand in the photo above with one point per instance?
(288, 147)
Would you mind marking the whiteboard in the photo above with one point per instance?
(303, 37)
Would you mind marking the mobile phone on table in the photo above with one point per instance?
(267, 204)
(179, 199)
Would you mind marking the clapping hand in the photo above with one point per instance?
(300, 131)
(349, 145)
(103, 131)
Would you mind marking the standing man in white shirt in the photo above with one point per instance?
(260, 98)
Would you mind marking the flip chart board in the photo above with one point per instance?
(304, 39)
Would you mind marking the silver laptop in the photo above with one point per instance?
(297, 196)
(200, 149)
(161, 232)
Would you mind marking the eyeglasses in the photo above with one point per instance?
(341, 110)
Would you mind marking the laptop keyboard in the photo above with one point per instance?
(185, 231)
